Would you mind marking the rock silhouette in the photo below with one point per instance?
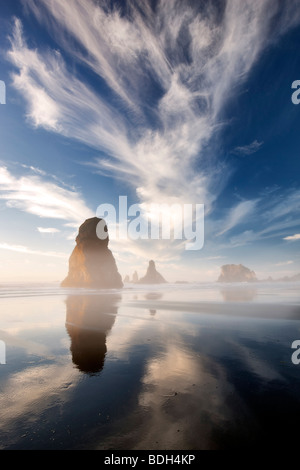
(89, 318)
(152, 276)
(91, 263)
(236, 273)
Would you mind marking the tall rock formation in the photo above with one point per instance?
(152, 276)
(91, 263)
(236, 273)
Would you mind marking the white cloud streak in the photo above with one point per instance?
(35, 195)
(254, 220)
(248, 149)
(28, 251)
(293, 237)
(237, 215)
(47, 230)
(195, 58)
(285, 263)
(158, 143)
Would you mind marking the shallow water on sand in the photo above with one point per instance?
(149, 367)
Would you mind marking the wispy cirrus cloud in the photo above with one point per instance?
(262, 218)
(283, 205)
(194, 55)
(160, 81)
(28, 251)
(47, 230)
(285, 263)
(248, 149)
(35, 195)
(293, 237)
(237, 215)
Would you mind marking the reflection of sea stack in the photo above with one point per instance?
(91, 263)
(239, 294)
(152, 276)
(236, 273)
(89, 318)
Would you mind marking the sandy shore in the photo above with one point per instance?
(168, 367)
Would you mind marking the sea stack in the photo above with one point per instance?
(152, 276)
(91, 263)
(236, 273)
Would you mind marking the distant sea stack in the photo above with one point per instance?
(91, 263)
(236, 273)
(295, 278)
(152, 276)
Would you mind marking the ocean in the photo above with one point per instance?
(175, 366)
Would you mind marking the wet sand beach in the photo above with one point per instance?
(191, 366)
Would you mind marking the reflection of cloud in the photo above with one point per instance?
(89, 319)
(192, 380)
(182, 402)
(195, 378)
(251, 361)
(30, 391)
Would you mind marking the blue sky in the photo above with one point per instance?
(172, 101)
